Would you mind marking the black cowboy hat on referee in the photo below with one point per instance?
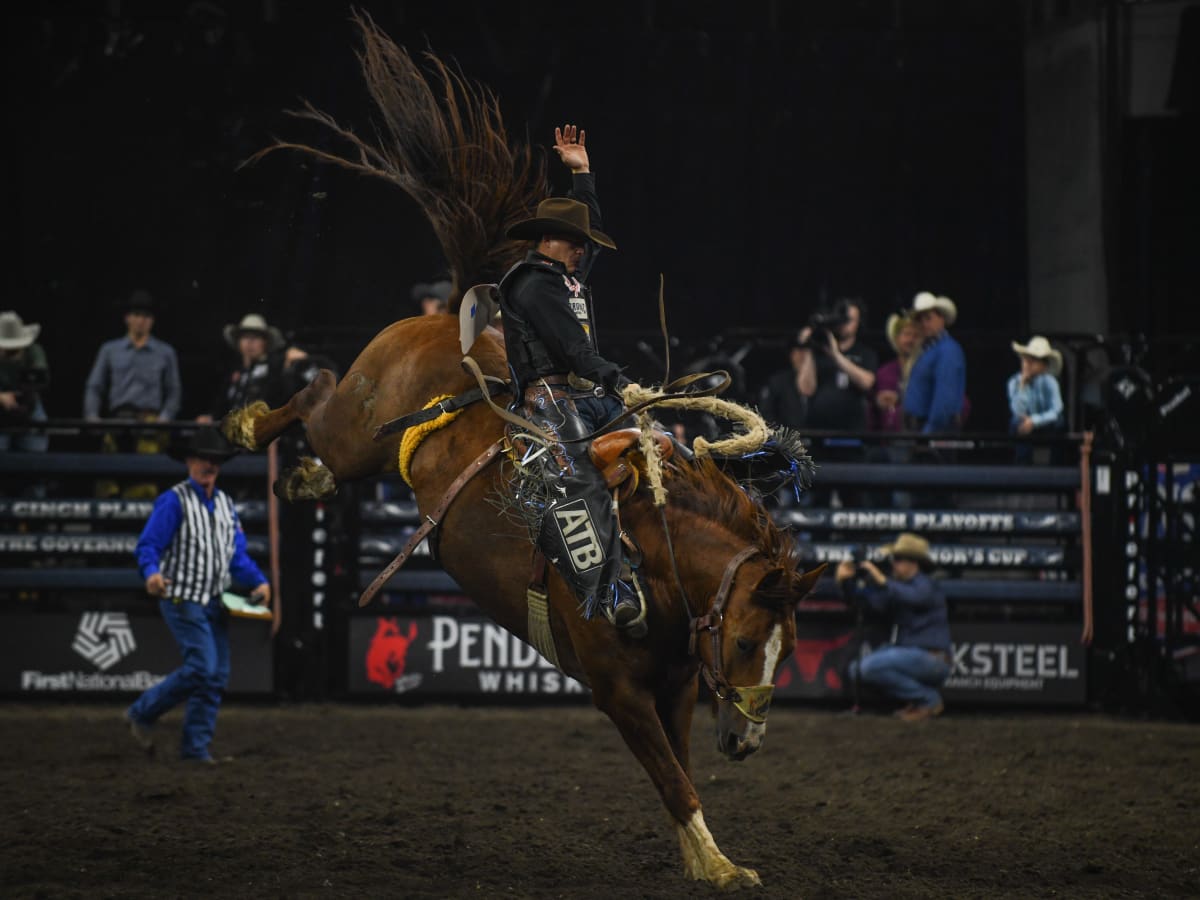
(560, 215)
(206, 443)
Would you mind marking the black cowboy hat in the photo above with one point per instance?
(205, 443)
(560, 215)
(140, 301)
(439, 289)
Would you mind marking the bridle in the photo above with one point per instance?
(752, 702)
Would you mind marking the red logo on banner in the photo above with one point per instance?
(386, 652)
(808, 658)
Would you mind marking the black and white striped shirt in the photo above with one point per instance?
(196, 563)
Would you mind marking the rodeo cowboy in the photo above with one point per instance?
(568, 389)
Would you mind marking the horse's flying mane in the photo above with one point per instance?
(441, 139)
(703, 490)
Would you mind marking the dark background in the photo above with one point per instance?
(763, 156)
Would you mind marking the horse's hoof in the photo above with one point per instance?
(238, 426)
(737, 878)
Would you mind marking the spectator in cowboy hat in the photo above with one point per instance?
(262, 372)
(937, 384)
(135, 376)
(1034, 397)
(24, 374)
(433, 297)
(918, 660)
(891, 378)
(189, 552)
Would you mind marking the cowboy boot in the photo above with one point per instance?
(628, 611)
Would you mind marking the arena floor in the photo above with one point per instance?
(362, 801)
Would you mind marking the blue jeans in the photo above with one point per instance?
(597, 411)
(203, 637)
(29, 443)
(907, 673)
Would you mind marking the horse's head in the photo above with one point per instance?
(742, 642)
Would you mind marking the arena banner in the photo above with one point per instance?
(953, 521)
(437, 656)
(116, 510)
(56, 654)
(1005, 663)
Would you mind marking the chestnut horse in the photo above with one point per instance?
(720, 578)
(724, 544)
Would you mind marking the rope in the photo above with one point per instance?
(755, 428)
(650, 452)
(417, 433)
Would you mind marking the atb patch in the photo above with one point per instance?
(579, 536)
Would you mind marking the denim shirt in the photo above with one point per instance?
(146, 378)
(1040, 399)
(937, 384)
(917, 608)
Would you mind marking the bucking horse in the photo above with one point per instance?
(721, 579)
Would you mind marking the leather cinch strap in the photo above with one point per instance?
(466, 398)
(431, 521)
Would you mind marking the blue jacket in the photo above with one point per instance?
(918, 610)
(937, 385)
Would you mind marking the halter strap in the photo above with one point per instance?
(712, 622)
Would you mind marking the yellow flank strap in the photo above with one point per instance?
(417, 433)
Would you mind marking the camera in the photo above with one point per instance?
(826, 323)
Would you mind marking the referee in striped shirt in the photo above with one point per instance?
(189, 552)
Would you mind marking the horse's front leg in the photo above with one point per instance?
(633, 711)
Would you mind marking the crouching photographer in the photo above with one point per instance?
(917, 661)
(24, 374)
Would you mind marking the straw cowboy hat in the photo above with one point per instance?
(1039, 348)
(910, 546)
(895, 324)
(255, 324)
(14, 333)
(560, 215)
(206, 443)
(926, 301)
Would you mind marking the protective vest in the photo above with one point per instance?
(527, 354)
(197, 560)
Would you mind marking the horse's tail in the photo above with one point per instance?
(443, 142)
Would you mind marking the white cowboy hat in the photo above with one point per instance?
(926, 301)
(910, 546)
(895, 324)
(14, 333)
(255, 323)
(1039, 348)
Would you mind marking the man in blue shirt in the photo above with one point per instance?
(937, 384)
(917, 661)
(135, 376)
(187, 553)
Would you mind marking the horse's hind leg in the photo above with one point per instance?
(256, 425)
(310, 480)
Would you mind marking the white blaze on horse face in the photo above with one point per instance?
(771, 654)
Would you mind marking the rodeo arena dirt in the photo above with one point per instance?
(444, 801)
(476, 612)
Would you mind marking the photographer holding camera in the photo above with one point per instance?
(835, 372)
(24, 374)
(917, 661)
